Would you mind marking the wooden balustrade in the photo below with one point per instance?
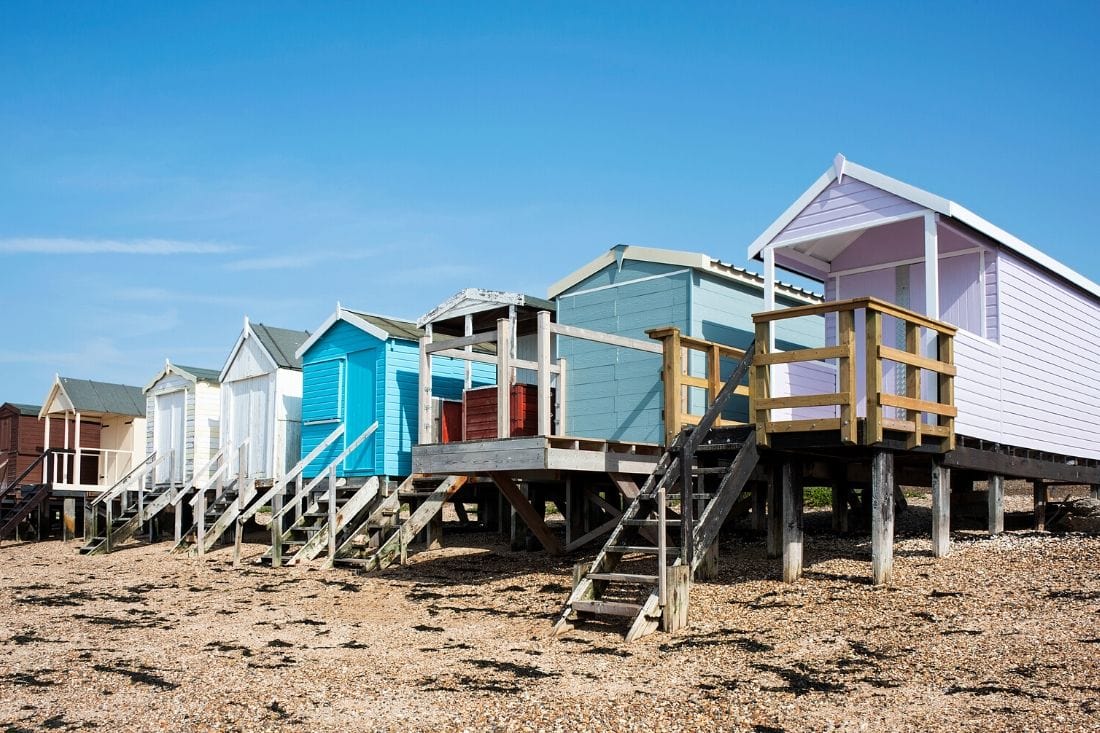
(846, 396)
(677, 350)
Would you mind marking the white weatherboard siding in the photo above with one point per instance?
(250, 361)
(207, 416)
(1050, 339)
(169, 405)
(248, 414)
(845, 204)
(977, 387)
(288, 421)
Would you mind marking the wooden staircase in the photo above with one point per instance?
(215, 511)
(123, 523)
(383, 535)
(643, 571)
(19, 502)
(331, 510)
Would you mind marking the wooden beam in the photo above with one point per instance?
(626, 485)
(991, 461)
(774, 541)
(996, 505)
(941, 510)
(872, 432)
(882, 517)
(847, 386)
(791, 479)
(605, 338)
(544, 412)
(800, 355)
(504, 378)
(424, 393)
(527, 512)
(459, 342)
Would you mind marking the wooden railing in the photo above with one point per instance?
(678, 380)
(846, 397)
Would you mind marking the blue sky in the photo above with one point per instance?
(168, 168)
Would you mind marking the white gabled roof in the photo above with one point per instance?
(676, 258)
(476, 300)
(945, 207)
(191, 374)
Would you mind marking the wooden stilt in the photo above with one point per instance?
(996, 505)
(941, 510)
(792, 521)
(576, 503)
(774, 540)
(675, 613)
(89, 519)
(527, 512)
(1094, 490)
(68, 519)
(1040, 493)
(882, 517)
(434, 532)
(708, 564)
(759, 506)
(277, 530)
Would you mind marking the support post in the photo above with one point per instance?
(433, 534)
(687, 508)
(559, 397)
(882, 517)
(708, 565)
(1040, 493)
(527, 512)
(79, 453)
(769, 291)
(931, 266)
(674, 616)
(774, 541)
(90, 515)
(332, 511)
(1094, 490)
(996, 505)
(200, 522)
(670, 378)
(872, 429)
(424, 407)
(791, 478)
(68, 519)
(941, 510)
(277, 530)
(543, 335)
(759, 506)
(468, 366)
(504, 378)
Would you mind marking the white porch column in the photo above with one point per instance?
(469, 331)
(769, 291)
(425, 407)
(65, 457)
(76, 464)
(46, 447)
(931, 266)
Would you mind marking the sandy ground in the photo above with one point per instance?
(1004, 633)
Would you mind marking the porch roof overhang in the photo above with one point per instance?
(812, 254)
(92, 399)
(484, 308)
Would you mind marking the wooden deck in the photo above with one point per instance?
(536, 455)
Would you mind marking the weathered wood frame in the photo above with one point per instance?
(676, 350)
(845, 398)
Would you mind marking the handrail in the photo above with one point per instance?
(125, 481)
(210, 482)
(844, 399)
(34, 464)
(293, 473)
(331, 465)
(196, 474)
(674, 375)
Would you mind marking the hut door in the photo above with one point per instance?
(249, 420)
(361, 410)
(168, 433)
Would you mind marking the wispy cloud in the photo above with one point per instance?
(64, 245)
(299, 259)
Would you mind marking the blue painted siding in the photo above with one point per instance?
(352, 377)
(615, 393)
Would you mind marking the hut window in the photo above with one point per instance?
(323, 401)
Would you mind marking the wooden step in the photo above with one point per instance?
(709, 470)
(631, 578)
(624, 549)
(607, 608)
(649, 522)
(719, 447)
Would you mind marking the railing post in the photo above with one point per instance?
(504, 378)
(332, 512)
(559, 398)
(662, 547)
(424, 407)
(849, 423)
(759, 383)
(670, 373)
(543, 336)
(200, 521)
(912, 384)
(687, 504)
(277, 530)
(873, 427)
(714, 375)
(945, 348)
(110, 520)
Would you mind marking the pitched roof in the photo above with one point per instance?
(695, 260)
(86, 395)
(281, 343)
(945, 207)
(476, 300)
(395, 327)
(23, 409)
(199, 373)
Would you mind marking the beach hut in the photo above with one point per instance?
(359, 368)
(184, 409)
(23, 440)
(616, 392)
(261, 399)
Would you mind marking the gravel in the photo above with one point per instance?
(1001, 634)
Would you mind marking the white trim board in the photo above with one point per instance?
(341, 314)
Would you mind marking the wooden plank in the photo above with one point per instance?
(670, 377)
(626, 485)
(791, 481)
(996, 500)
(812, 400)
(800, 355)
(526, 512)
(906, 426)
(504, 378)
(913, 404)
(915, 360)
(872, 432)
(941, 510)
(484, 337)
(584, 539)
(945, 350)
(759, 384)
(424, 393)
(605, 338)
(544, 408)
(804, 426)
(882, 517)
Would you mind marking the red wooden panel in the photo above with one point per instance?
(451, 422)
(480, 412)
